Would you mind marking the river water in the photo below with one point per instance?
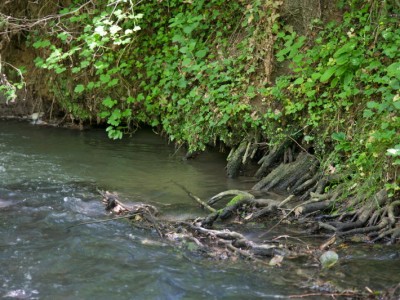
(48, 181)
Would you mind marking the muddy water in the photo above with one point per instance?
(48, 181)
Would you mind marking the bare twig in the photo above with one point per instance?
(197, 199)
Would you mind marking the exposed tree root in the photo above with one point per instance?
(235, 160)
(268, 160)
(376, 217)
(221, 195)
(285, 176)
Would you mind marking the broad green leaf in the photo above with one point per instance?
(347, 79)
(327, 74)
(201, 53)
(79, 88)
(59, 70)
(90, 85)
(186, 61)
(113, 82)
(41, 44)
(299, 80)
(344, 49)
(63, 36)
(394, 70)
(104, 78)
(368, 113)
(108, 102)
(75, 70)
(372, 104)
(339, 136)
(310, 93)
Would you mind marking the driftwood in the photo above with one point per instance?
(215, 243)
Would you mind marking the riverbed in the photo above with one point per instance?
(49, 179)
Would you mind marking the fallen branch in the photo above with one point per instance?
(197, 199)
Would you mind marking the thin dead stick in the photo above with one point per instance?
(197, 199)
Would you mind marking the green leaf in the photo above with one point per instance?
(311, 93)
(327, 74)
(368, 113)
(41, 44)
(339, 136)
(90, 85)
(344, 49)
(347, 79)
(186, 61)
(113, 82)
(59, 70)
(182, 83)
(79, 88)
(63, 36)
(104, 78)
(75, 70)
(178, 38)
(201, 53)
(372, 104)
(183, 50)
(394, 70)
(108, 102)
(182, 101)
(299, 80)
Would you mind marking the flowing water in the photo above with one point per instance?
(48, 181)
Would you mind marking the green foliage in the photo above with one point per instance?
(91, 63)
(9, 87)
(346, 86)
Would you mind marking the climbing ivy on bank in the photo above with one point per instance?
(187, 72)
